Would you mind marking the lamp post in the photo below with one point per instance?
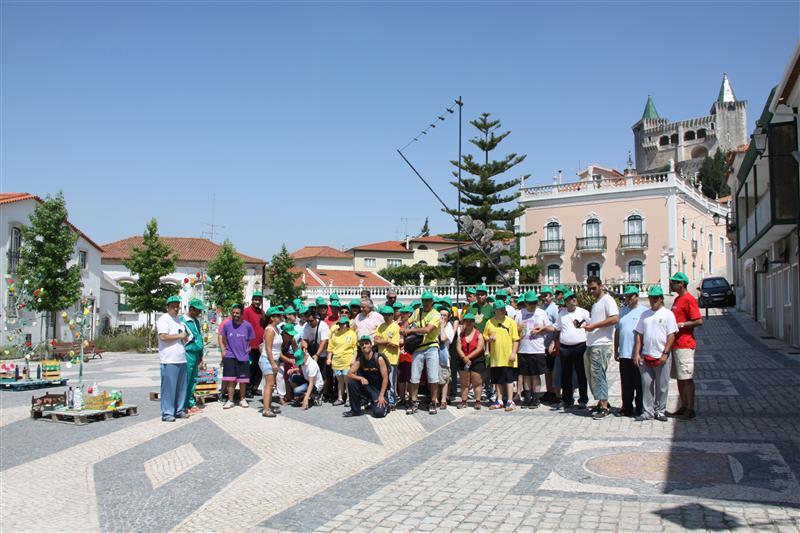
(460, 104)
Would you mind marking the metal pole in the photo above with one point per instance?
(458, 220)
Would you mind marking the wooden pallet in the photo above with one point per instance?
(30, 384)
(211, 397)
(81, 418)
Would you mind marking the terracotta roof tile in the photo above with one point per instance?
(433, 239)
(384, 246)
(319, 251)
(341, 278)
(187, 248)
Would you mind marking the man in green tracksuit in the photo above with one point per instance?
(194, 350)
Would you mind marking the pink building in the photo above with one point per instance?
(623, 227)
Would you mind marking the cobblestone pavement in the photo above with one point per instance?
(736, 466)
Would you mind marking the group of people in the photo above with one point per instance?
(491, 352)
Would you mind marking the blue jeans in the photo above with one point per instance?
(173, 389)
(299, 384)
(392, 392)
(596, 363)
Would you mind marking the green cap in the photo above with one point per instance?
(471, 290)
(562, 289)
(299, 357)
(289, 329)
(630, 289)
(280, 308)
(416, 303)
(343, 320)
(680, 276)
(335, 303)
(173, 299)
(490, 298)
(290, 311)
(398, 305)
(499, 304)
(334, 296)
(407, 309)
(560, 302)
(501, 294)
(302, 309)
(297, 302)
(469, 316)
(320, 301)
(655, 291)
(387, 310)
(482, 288)
(546, 290)
(271, 311)
(258, 294)
(568, 295)
(427, 295)
(197, 303)
(530, 297)
(444, 307)
(365, 338)
(355, 302)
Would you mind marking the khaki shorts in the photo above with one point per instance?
(682, 363)
(444, 375)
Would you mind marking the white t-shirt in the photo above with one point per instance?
(449, 334)
(654, 327)
(322, 334)
(528, 321)
(170, 351)
(602, 309)
(569, 334)
(512, 312)
(310, 369)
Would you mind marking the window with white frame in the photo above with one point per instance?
(14, 249)
(553, 231)
(83, 259)
(634, 225)
(683, 227)
(636, 271)
(721, 244)
(710, 242)
(591, 228)
(553, 274)
(393, 262)
(701, 236)
(370, 262)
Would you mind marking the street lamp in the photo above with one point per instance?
(715, 217)
(760, 142)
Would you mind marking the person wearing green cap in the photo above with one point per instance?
(270, 360)
(306, 379)
(342, 346)
(367, 379)
(387, 339)
(570, 339)
(470, 349)
(481, 308)
(425, 322)
(235, 336)
(471, 296)
(254, 315)
(656, 333)
(194, 351)
(502, 336)
(553, 394)
(172, 357)
(333, 314)
(624, 340)
(688, 316)
(321, 307)
(533, 323)
(314, 338)
(289, 345)
(600, 343)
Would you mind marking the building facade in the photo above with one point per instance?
(687, 142)
(766, 220)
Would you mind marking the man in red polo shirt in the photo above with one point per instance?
(687, 315)
(253, 314)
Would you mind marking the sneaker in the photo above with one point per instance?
(601, 413)
(495, 405)
(567, 407)
(534, 403)
(679, 412)
(244, 403)
(524, 403)
(182, 415)
(581, 405)
(432, 408)
(509, 406)
(248, 394)
(594, 409)
(688, 415)
(643, 418)
(661, 417)
(228, 404)
(168, 419)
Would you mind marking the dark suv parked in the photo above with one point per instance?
(716, 291)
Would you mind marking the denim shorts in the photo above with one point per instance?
(429, 359)
(263, 364)
(341, 372)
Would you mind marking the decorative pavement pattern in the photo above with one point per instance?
(736, 466)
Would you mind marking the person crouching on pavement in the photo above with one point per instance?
(368, 379)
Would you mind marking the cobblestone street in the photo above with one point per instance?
(736, 466)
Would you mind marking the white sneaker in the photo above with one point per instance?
(228, 405)
(243, 403)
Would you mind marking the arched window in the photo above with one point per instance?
(593, 269)
(422, 247)
(591, 228)
(634, 225)
(673, 139)
(689, 136)
(699, 152)
(663, 140)
(701, 133)
(13, 250)
(553, 231)
(553, 274)
(635, 271)
(422, 262)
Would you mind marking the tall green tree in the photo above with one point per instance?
(426, 230)
(148, 264)
(713, 175)
(486, 197)
(227, 273)
(48, 245)
(281, 278)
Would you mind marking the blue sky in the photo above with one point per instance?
(291, 112)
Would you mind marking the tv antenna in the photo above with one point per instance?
(212, 232)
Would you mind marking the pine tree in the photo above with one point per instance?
(154, 260)
(483, 200)
(425, 231)
(227, 273)
(713, 175)
(281, 278)
(48, 245)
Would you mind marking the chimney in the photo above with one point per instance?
(560, 177)
(408, 242)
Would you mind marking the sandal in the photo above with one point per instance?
(269, 414)
(462, 405)
(412, 408)
(478, 406)
(443, 405)
(432, 408)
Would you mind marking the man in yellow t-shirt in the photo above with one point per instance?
(425, 322)
(503, 338)
(342, 346)
(387, 339)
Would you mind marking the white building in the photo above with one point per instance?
(193, 257)
(15, 211)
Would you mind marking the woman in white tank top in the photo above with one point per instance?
(268, 362)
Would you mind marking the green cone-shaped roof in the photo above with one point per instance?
(650, 109)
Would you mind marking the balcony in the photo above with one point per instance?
(633, 241)
(591, 244)
(551, 246)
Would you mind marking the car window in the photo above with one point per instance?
(715, 283)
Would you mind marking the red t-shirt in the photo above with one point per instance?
(685, 309)
(254, 318)
(332, 319)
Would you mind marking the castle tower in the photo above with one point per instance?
(731, 115)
